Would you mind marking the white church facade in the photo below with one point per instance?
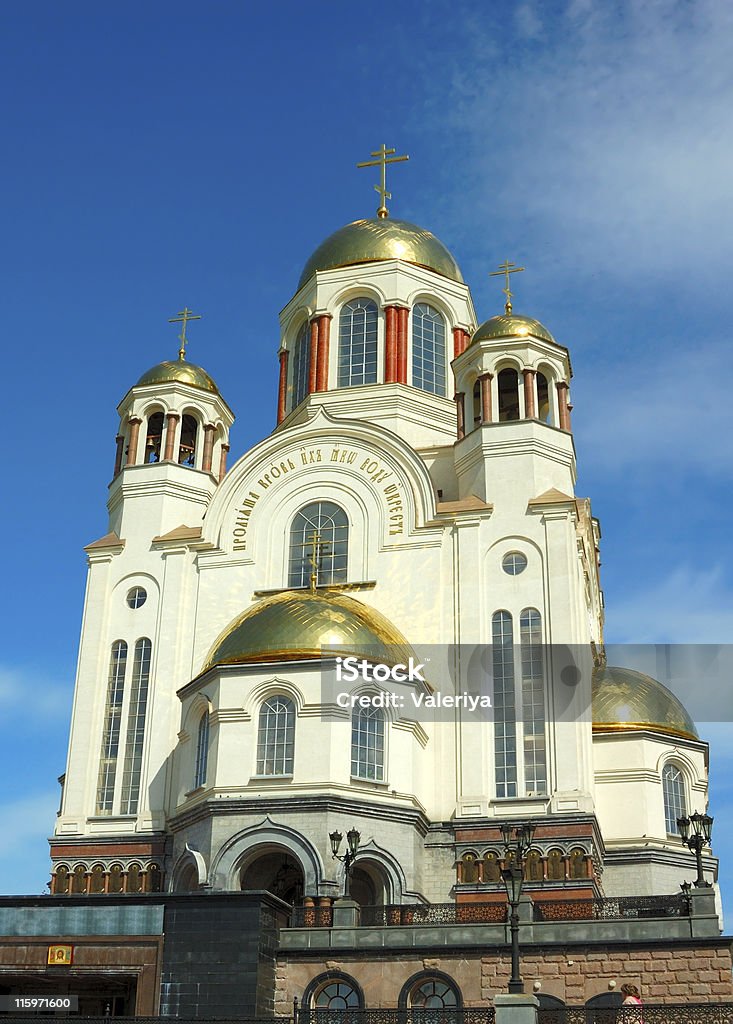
(416, 497)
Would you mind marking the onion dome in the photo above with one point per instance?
(625, 700)
(381, 238)
(512, 325)
(296, 624)
(181, 371)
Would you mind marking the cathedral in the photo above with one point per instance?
(384, 621)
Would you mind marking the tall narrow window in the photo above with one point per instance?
(187, 447)
(111, 728)
(533, 703)
(154, 438)
(428, 349)
(276, 737)
(477, 404)
(319, 544)
(543, 398)
(505, 715)
(673, 789)
(357, 360)
(367, 744)
(202, 751)
(301, 364)
(136, 727)
(508, 381)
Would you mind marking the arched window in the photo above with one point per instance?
(428, 349)
(321, 529)
(430, 991)
(154, 438)
(333, 991)
(202, 751)
(367, 744)
(276, 737)
(673, 789)
(136, 726)
(505, 715)
(357, 358)
(477, 404)
(533, 703)
(543, 398)
(111, 728)
(187, 446)
(155, 878)
(508, 381)
(301, 364)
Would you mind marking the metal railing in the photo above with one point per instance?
(406, 914)
(611, 908)
(658, 1013)
(479, 1015)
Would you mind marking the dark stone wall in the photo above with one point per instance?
(219, 954)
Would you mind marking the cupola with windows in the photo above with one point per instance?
(175, 414)
(381, 302)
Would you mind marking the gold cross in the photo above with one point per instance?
(506, 268)
(182, 318)
(384, 157)
(317, 546)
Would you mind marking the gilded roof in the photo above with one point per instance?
(365, 241)
(624, 699)
(179, 370)
(510, 326)
(296, 624)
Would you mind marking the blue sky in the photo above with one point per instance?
(165, 154)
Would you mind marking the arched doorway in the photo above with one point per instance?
(275, 871)
(368, 885)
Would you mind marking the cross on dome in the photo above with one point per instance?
(506, 268)
(384, 157)
(182, 318)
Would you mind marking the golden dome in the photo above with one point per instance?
(379, 238)
(511, 325)
(296, 624)
(179, 370)
(627, 700)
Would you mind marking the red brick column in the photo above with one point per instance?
(460, 341)
(390, 344)
(403, 315)
(530, 408)
(313, 354)
(120, 444)
(486, 410)
(324, 344)
(562, 401)
(460, 413)
(223, 461)
(209, 431)
(134, 437)
(282, 388)
(170, 435)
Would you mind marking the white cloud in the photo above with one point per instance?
(609, 142)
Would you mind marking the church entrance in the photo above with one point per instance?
(275, 871)
(99, 996)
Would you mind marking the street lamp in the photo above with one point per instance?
(348, 858)
(517, 841)
(696, 831)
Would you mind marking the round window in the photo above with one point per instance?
(514, 563)
(137, 597)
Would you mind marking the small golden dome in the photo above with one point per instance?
(511, 326)
(179, 370)
(379, 238)
(296, 624)
(627, 700)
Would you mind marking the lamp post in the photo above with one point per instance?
(696, 831)
(517, 841)
(348, 858)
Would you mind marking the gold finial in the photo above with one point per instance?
(182, 318)
(317, 546)
(384, 157)
(506, 268)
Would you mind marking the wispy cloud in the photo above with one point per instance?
(608, 138)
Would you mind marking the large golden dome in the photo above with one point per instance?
(381, 238)
(296, 624)
(627, 700)
(509, 326)
(179, 370)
